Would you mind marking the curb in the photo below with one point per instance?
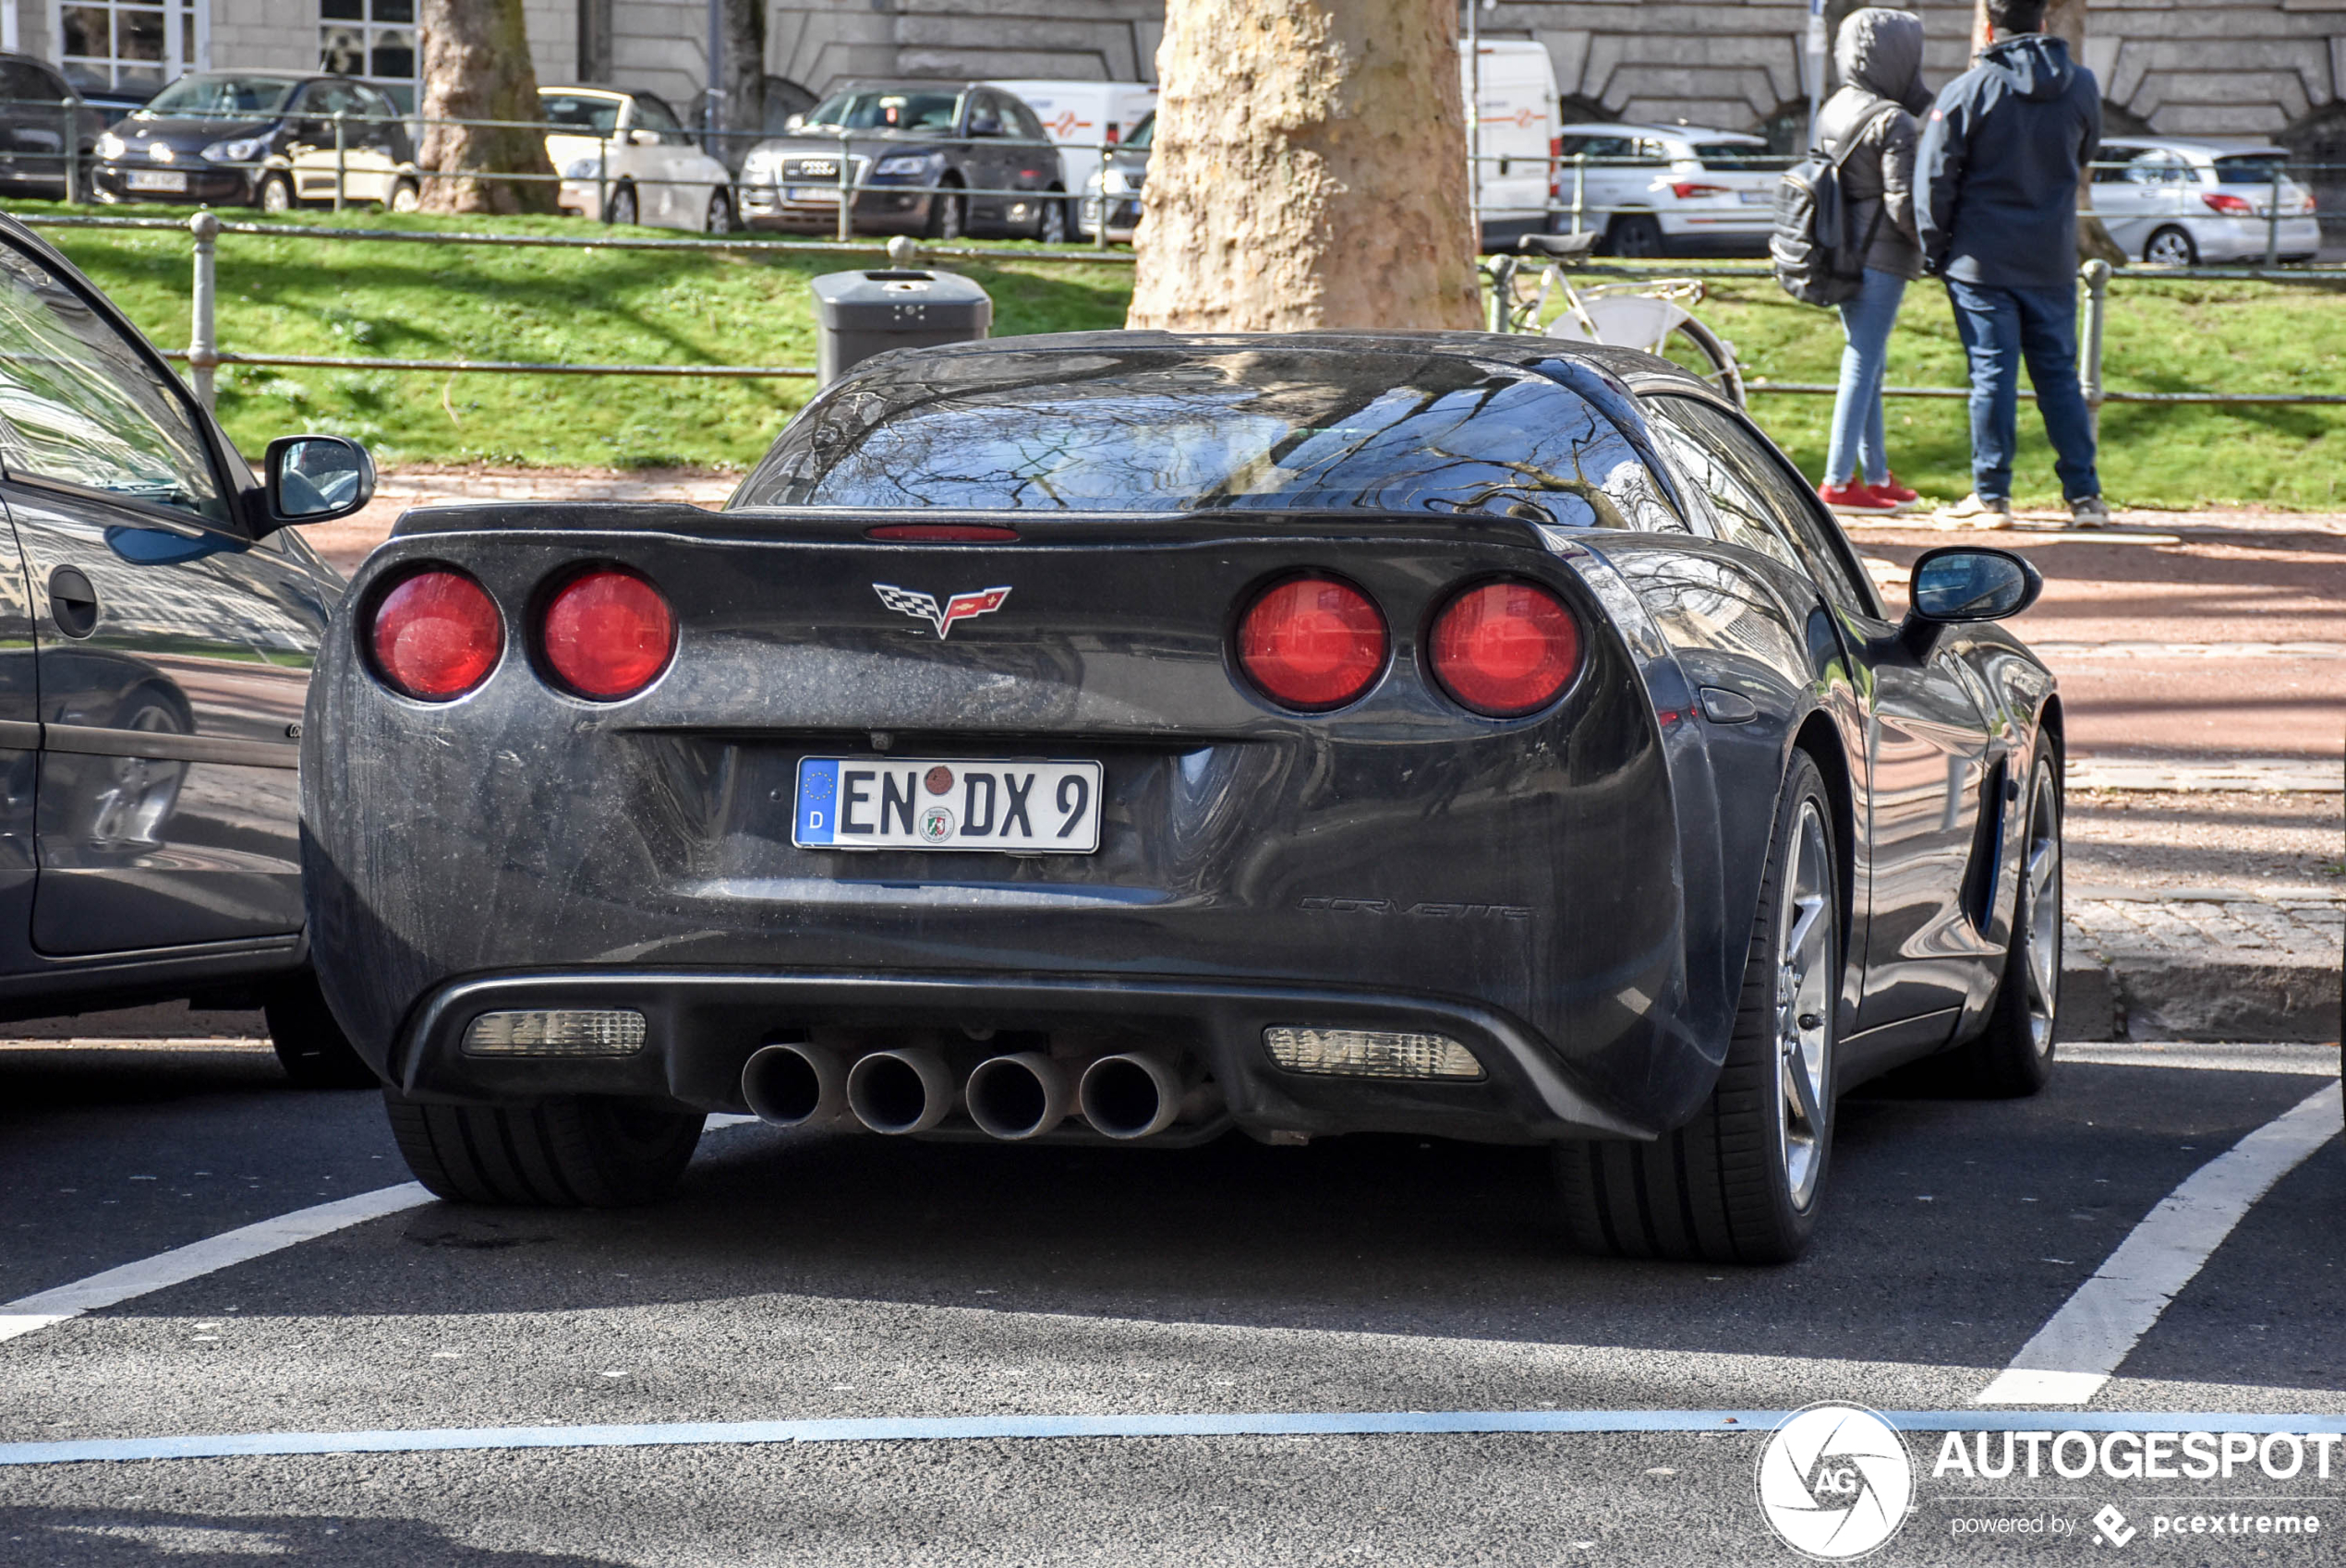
(2235, 997)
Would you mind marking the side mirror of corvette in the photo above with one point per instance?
(1966, 582)
(316, 479)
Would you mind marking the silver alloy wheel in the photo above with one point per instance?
(623, 207)
(949, 221)
(1805, 1002)
(719, 218)
(276, 195)
(406, 198)
(2171, 248)
(2039, 912)
(1050, 225)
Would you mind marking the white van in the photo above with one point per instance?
(1513, 132)
(1081, 115)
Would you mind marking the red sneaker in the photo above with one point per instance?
(1891, 488)
(1853, 498)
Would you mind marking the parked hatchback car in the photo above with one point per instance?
(626, 158)
(158, 619)
(261, 139)
(2179, 202)
(1658, 190)
(940, 159)
(40, 117)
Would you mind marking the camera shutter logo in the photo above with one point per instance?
(1835, 1481)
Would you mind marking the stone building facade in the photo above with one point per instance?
(2234, 67)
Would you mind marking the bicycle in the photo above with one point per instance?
(1650, 315)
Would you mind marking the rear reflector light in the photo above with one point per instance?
(563, 1032)
(1369, 1053)
(1312, 643)
(608, 633)
(1686, 190)
(1506, 648)
(945, 533)
(436, 635)
(2223, 202)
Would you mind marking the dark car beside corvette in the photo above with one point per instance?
(1130, 737)
(159, 618)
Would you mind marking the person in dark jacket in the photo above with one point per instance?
(2001, 159)
(1869, 125)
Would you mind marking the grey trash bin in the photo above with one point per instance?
(860, 314)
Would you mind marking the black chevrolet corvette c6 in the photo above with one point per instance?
(1129, 737)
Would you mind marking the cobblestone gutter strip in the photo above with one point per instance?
(2202, 969)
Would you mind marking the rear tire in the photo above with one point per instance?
(1742, 1181)
(1634, 235)
(309, 1042)
(718, 219)
(1050, 220)
(276, 195)
(2013, 1056)
(2171, 246)
(575, 1151)
(407, 196)
(623, 211)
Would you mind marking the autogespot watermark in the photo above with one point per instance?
(1837, 1482)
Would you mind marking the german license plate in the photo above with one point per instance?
(1756, 198)
(1024, 808)
(155, 179)
(811, 193)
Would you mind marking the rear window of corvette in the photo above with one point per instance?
(1153, 432)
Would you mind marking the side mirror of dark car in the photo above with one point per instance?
(316, 479)
(1963, 583)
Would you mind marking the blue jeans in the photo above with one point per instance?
(2001, 328)
(1856, 408)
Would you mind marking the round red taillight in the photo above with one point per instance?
(608, 632)
(1506, 648)
(1312, 643)
(436, 635)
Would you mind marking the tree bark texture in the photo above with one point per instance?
(476, 66)
(2065, 19)
(1308, 171)
(745, 84)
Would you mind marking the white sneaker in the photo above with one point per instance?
(1977, 511)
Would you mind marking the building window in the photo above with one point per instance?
(129, 46)
(374, 41)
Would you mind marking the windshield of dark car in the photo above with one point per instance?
(886, 110)
(2250, 168)
(587, 113)
(221, 97)
(1171, 430)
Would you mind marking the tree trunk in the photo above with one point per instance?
(745, 84)
(1309, 170)
(476, 66)
(2065, 19)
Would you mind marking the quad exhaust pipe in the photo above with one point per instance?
(1019, 1096)
(1131, 1095)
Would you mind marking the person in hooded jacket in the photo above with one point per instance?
(2002, 154)
(1870, 125)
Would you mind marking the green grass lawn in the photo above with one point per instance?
(407, 301)
(311, 296)
(2161, 336)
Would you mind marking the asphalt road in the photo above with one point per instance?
(829, 1276)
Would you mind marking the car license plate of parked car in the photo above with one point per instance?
(1757, 197)
(155, 179)
(811, 193)
(889, 804)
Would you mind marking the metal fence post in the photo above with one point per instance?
(846, 190)
(602, 179)
(1580, 186)
(2096, 275)
(342, 159)
(2272, 219)
(69, 145)
(203, 348)
(1099, 229)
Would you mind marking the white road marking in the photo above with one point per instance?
(2075, 1353)
(200, 1257)
(27, 1314)
(2307, 1061)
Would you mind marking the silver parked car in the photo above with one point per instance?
(2182, 202)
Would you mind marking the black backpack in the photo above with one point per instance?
(1814, 257)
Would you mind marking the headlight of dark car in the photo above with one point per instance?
(902, 163)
